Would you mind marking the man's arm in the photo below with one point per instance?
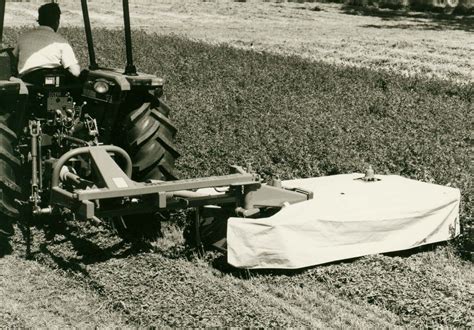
(16, 51)
(69, 61)
(75, 70)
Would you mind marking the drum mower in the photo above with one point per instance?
(101, 149)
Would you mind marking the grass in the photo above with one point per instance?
(318, 306)
(164, 289)
(294, 118)
(427, 289)
(48, 298)
(400, 42)
(297, 118)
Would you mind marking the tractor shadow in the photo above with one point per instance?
(72, 248)
(411, 20)
(68, 249)
(76, 248)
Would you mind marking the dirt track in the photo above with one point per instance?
(410, 43)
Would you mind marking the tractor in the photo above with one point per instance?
(101, 148)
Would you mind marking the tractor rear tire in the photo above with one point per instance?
(148, 137)
(9, 189)
(147, 134)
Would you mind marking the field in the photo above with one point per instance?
(403, 42)
(236, 105)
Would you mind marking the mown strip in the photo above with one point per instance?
(34, 296)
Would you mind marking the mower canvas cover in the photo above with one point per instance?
(347, 218)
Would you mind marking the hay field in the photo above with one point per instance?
(403, 42)
(251, 105)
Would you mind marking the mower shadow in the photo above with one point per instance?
(220, 263)
(416, 20)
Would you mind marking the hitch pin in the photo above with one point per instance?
(34, 128)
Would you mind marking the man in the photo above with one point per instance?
(43, 48)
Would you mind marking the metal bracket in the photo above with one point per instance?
(269, 196)
(109, 172)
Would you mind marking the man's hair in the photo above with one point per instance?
(49, 14)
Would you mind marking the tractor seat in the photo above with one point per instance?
(51, 78)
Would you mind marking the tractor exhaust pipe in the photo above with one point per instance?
(130, 68)
(90, 43)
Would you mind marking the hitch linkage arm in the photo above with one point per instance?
(116, 194)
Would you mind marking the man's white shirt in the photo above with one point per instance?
(43, 48)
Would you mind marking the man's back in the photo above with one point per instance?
(43, 48)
